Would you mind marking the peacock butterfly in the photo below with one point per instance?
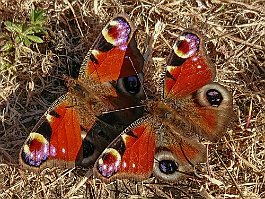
(79, 126)
(163, 139)
(165, 142)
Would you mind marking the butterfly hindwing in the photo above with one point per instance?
(176, 156)
(210, 111)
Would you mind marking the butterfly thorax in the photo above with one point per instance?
(168, 113)
(164, 111)
(88, 95)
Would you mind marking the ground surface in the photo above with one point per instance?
(33, 80)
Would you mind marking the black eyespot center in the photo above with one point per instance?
(168, 166)
(132, 84)
(214, 97)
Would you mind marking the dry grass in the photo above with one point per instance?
(236, 45)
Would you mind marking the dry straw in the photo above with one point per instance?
(236, 44)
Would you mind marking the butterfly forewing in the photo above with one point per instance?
(114, 54)
(188, 68)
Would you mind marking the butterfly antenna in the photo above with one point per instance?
(159, 28)
(141, 82)
(123, 109)
(84, 64)
(204, 26)
(148, 43)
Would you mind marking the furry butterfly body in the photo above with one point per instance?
(75, 130)
(166, 141)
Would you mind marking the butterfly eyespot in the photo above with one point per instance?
(36, 150)
(117, 32)
(131, 85)
(109, 163)
(214, 95)
(166, 167)
(187, 45)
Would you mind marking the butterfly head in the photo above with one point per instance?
(164, 110)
